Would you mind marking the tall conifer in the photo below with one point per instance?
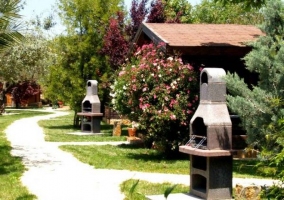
(261, 108)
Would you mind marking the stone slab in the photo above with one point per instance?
(178, 196)
(204, 153)
(84, 133)
(134, 140)
(90, 114)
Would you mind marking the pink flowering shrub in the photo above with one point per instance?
(159, 93)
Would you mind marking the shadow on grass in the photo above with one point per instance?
(65, 127)
(8, 164)
(27, 197)
(106, 127)
(244, 166)
(131, 146)
(151, 154)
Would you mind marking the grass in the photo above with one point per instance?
(57, 129)
(127, 157)
(11, 168)
(137, 189)
(147, 160)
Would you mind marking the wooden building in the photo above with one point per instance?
(204, 45)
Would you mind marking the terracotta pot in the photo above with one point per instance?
(132, 132)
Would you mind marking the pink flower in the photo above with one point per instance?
(145, 106)
(183, 123)
(121, 73)
(173, 102)
(173, 117)
(189, 112)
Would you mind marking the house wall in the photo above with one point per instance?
(232, 64)
(227, 57)
(34, 100)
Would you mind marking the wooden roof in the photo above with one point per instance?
(202, 34)
(185, 36)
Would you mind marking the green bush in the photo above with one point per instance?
(159, 93)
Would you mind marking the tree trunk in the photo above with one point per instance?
(76, 120)
(2, 97)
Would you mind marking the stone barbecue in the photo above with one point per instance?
(210, 144)
(91, 107)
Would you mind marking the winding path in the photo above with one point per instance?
(53, 174)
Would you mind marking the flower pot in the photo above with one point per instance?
(131, 132)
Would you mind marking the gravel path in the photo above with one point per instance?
(53, 174)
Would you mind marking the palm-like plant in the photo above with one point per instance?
(9, 28)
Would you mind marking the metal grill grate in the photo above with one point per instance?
(197, 144)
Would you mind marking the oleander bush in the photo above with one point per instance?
(158, 92)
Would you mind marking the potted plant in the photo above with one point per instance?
(132, 129)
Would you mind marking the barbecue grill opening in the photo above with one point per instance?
(199, 162)
(87, 106)
(199, 183)
(199, 133)
(198, 127)
(86, 127)
(204, 78)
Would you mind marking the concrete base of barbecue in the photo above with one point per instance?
(210, 172)
(90, 122)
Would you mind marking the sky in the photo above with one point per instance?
(44, 7)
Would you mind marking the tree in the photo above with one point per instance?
(28, 60)
(115, 44)
(138, 13)
(9, 34)
(79, 52)
(248, 4)
(23, 90)
(24, 65)
(9, 29)
(170, 11)
(212, 12)
(261, 108)
(178, 11)
(156, 14)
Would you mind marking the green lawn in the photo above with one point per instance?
(126, 156)
(11, 168)
(57, 129)
(135, 158)
(147, 160)
(137, 189)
